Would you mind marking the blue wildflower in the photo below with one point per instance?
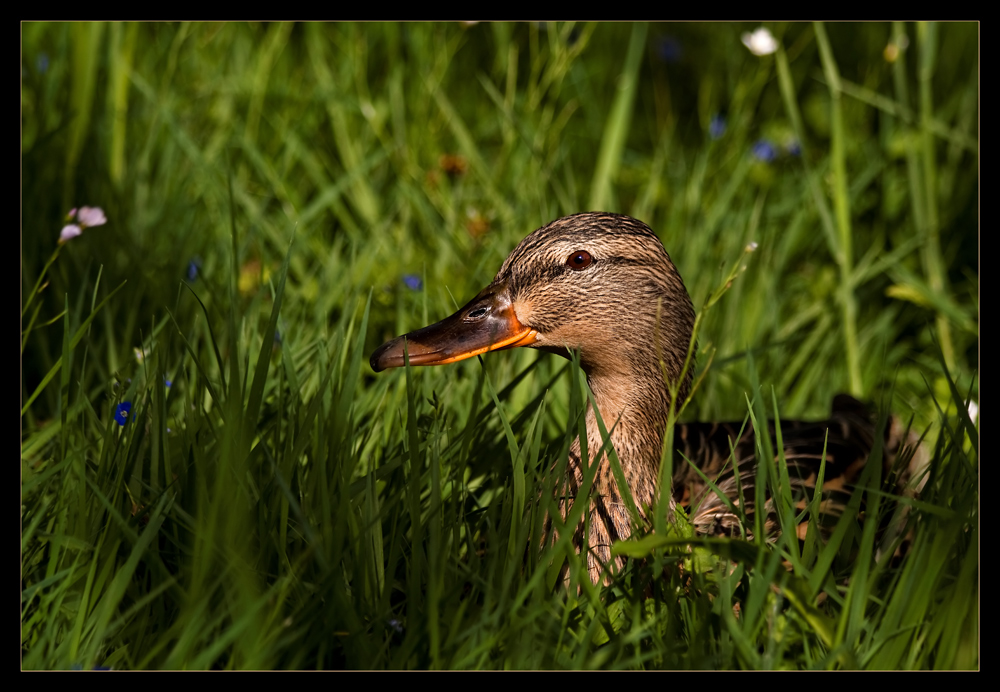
(43, 63)
(277, 337)
(121, 415)
(669, 50)
(717, 126)
(794, 148)
(194, 266)
(764, 151)
(413, 282)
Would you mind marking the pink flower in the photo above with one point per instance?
(91, 216)
(69, 232)
(85, 217)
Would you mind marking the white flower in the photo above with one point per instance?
(973, 411)
(760, 42)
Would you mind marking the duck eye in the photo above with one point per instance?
(580, 259)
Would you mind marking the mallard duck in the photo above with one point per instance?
(602, 285)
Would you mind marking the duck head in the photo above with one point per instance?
(597, 283)
(602, 285)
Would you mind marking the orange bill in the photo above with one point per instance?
(486, 323)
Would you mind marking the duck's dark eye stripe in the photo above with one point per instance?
(580, 259)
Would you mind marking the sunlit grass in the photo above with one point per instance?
(272, 503)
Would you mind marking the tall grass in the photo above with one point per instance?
(282, 198)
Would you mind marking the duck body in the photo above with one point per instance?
(602, 285)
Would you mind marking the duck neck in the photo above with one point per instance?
(634, 407)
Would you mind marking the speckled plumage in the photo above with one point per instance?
(628, 307)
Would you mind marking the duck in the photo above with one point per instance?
(601, 286)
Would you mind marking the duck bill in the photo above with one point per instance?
(486, 323)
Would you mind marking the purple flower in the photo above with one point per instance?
(717, 126)
(413, 282)
(194, 266)
(764, 151)
(121, 415)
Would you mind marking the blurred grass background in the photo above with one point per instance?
(271, 502)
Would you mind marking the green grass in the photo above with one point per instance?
(278, 505)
